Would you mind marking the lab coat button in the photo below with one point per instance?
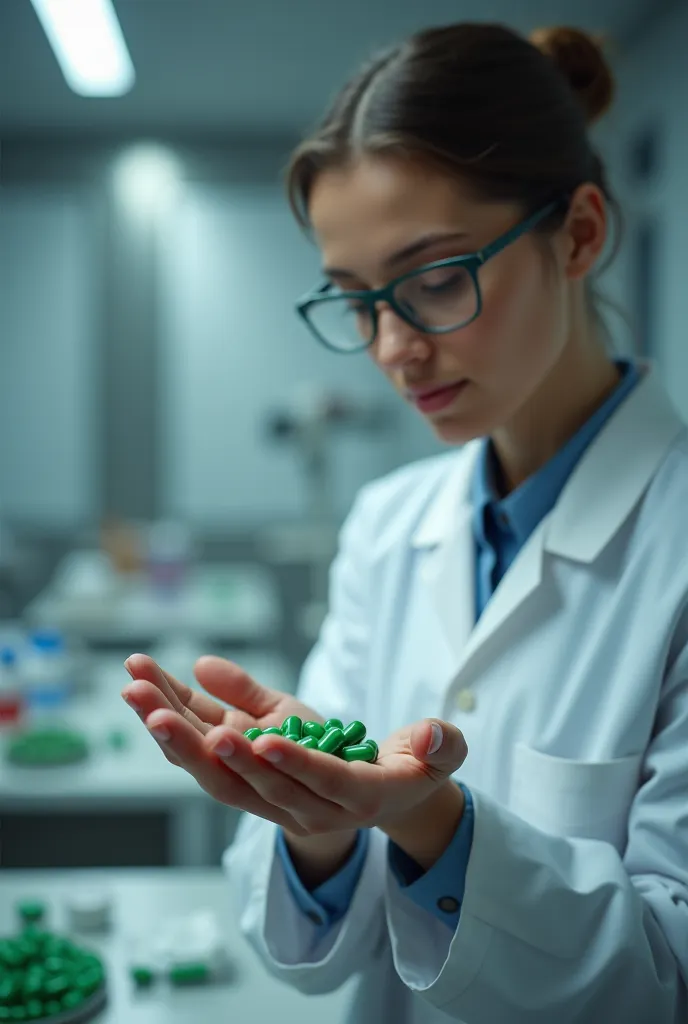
(448, 904)
(465, 700)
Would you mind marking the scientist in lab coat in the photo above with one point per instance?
(523, 595)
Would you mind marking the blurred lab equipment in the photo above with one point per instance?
(310, 423)
(220, 604)
(46, 668)
(11, 695)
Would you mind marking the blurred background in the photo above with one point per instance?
(176, 453)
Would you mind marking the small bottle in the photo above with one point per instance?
(11, 699)
(46, 674)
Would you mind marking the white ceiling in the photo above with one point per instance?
(258, 66)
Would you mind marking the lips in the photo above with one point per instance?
(434, 399)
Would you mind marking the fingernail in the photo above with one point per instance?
(126, 665)
(224, 747)
(436, 739)
(133, 705)
(272, 755)
(160, 732)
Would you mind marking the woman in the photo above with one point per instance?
(528, 591)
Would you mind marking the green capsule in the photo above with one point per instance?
(291, 727)
(89, 981)
(142, 976)
(33, 984)
(31, 911)
(189, 974)
(354, 733)
(333, 723)
(55, 964)
(374, 747)
(314, 729)
(272, 731)
(358, 752)
(331, 741)
(18, 1013)
(9, 988)
(253, 733)
(72, 999)
(52, 1007)
(58, 985)
(309, 742)
(35, 1009)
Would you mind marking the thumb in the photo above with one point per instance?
(439, 744)
(228, 681)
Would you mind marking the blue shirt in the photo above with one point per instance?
(501, 527)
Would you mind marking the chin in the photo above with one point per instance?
(455, 432)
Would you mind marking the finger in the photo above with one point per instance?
(438, 744)
(348, 785)
(274, 785)
(176, 734)
(143, 702)
(228, 681)
(180, 696)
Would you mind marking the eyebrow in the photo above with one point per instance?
(403, 254)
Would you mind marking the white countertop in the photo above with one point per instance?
(139, 899)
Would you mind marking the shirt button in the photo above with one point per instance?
(448, 904)
(503, 520)
(465, 700)
(315, 918)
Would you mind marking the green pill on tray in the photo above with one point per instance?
(346, 742)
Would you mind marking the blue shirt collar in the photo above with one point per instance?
(521, 511)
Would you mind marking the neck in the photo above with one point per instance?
(577, 385)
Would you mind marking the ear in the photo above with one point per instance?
(584, 231)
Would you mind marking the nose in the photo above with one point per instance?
(397, 343)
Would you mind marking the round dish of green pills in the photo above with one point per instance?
(47, 979)
(346, 742)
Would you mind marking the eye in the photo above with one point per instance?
(443, 279)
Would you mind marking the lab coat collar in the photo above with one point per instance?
(603, 489)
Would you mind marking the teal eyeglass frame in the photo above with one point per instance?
(471, 261)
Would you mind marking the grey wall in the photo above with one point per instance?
(653, 100)
(140, 355)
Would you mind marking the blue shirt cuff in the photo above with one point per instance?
(439, 890)
(329, 902)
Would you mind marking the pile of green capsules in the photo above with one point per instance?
(347, 742)
(45, 977)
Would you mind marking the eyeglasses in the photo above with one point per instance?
(436, 298)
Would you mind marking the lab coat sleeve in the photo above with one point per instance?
(330, 901)
(565, 929)
(446, 878)
(334, 681)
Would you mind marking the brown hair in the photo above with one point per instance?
(506, 114)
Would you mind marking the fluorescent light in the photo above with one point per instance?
(89, 46)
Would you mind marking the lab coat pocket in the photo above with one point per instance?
(589, 799)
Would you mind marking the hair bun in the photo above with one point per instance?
(580, 59)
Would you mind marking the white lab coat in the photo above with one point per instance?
(572, 692)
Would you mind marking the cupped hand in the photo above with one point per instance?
(179, 717)
(306, 791)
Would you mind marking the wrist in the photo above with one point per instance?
(317, 858)
(425, 832)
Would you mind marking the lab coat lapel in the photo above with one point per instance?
(446, 549)
(588, 514)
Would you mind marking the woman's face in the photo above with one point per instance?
(364, 215)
